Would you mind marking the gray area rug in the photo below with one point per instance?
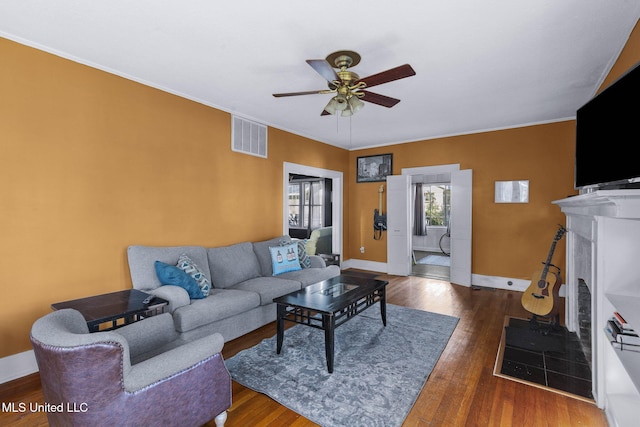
(378, 371)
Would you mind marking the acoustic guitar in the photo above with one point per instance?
(541, 297)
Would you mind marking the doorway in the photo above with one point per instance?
(431, 238)
(334, 180)
(399, 208)
(309, 204)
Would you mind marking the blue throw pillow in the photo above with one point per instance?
(172, 275)
(284, 258)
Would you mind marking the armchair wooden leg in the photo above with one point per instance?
(221, 418)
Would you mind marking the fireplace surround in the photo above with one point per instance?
(603, 276)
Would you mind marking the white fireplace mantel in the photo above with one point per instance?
(603, 244)
(605, 203)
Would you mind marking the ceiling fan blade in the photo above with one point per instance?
(310, 92)
(385, 101)
(323, 68)
(396, 73)
(325, 113)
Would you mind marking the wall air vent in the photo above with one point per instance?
(248, 137)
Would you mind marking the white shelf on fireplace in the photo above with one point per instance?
(628, 305)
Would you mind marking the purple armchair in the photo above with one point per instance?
(140, 374)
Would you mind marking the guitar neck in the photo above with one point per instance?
(547, 263)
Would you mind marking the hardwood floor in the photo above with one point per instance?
(461, 391)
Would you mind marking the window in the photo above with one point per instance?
(437, 204)
(306, 204)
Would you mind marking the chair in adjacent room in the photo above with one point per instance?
(140, 374)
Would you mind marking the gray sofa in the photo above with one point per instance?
(242, 291)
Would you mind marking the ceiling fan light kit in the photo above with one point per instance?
(347, 86)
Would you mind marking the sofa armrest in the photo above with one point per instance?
(176, 296)
(317, 261)
(172, 362)
(149, 334)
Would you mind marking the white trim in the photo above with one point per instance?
(431, 170)
(17, 365)
(337, 198)
(518, 285)
(361, 264)
(499, 282)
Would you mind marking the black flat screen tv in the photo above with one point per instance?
(608, 136)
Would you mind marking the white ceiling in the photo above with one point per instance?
(480, 65)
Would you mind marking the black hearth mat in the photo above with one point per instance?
(533, 340)
(553, 361)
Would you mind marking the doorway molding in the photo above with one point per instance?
(336, 198)
(460, 270)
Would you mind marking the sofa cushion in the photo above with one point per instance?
(172, 275)
(220, 304)
(187, 265)
(269, 287)
(284, 258)
(232, 264)
(141, 262)
(261, 249)
(309, 276)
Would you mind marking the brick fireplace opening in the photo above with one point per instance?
(584, 319)
(579, 301)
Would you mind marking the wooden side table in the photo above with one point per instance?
(111, 311)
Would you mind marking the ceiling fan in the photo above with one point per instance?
(348, 87)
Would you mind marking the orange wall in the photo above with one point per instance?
(509, 240)
(92, 163)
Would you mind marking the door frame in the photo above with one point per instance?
(463, 276)
(336, 199)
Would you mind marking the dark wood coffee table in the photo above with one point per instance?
(110, 311)
(328, 304)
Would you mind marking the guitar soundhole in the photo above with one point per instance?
(542, 283)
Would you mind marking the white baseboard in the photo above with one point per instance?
(497, 282)
(378, 267)
(17, 365)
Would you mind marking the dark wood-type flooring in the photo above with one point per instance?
(461, 391)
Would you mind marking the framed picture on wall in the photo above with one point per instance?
(374, 168)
